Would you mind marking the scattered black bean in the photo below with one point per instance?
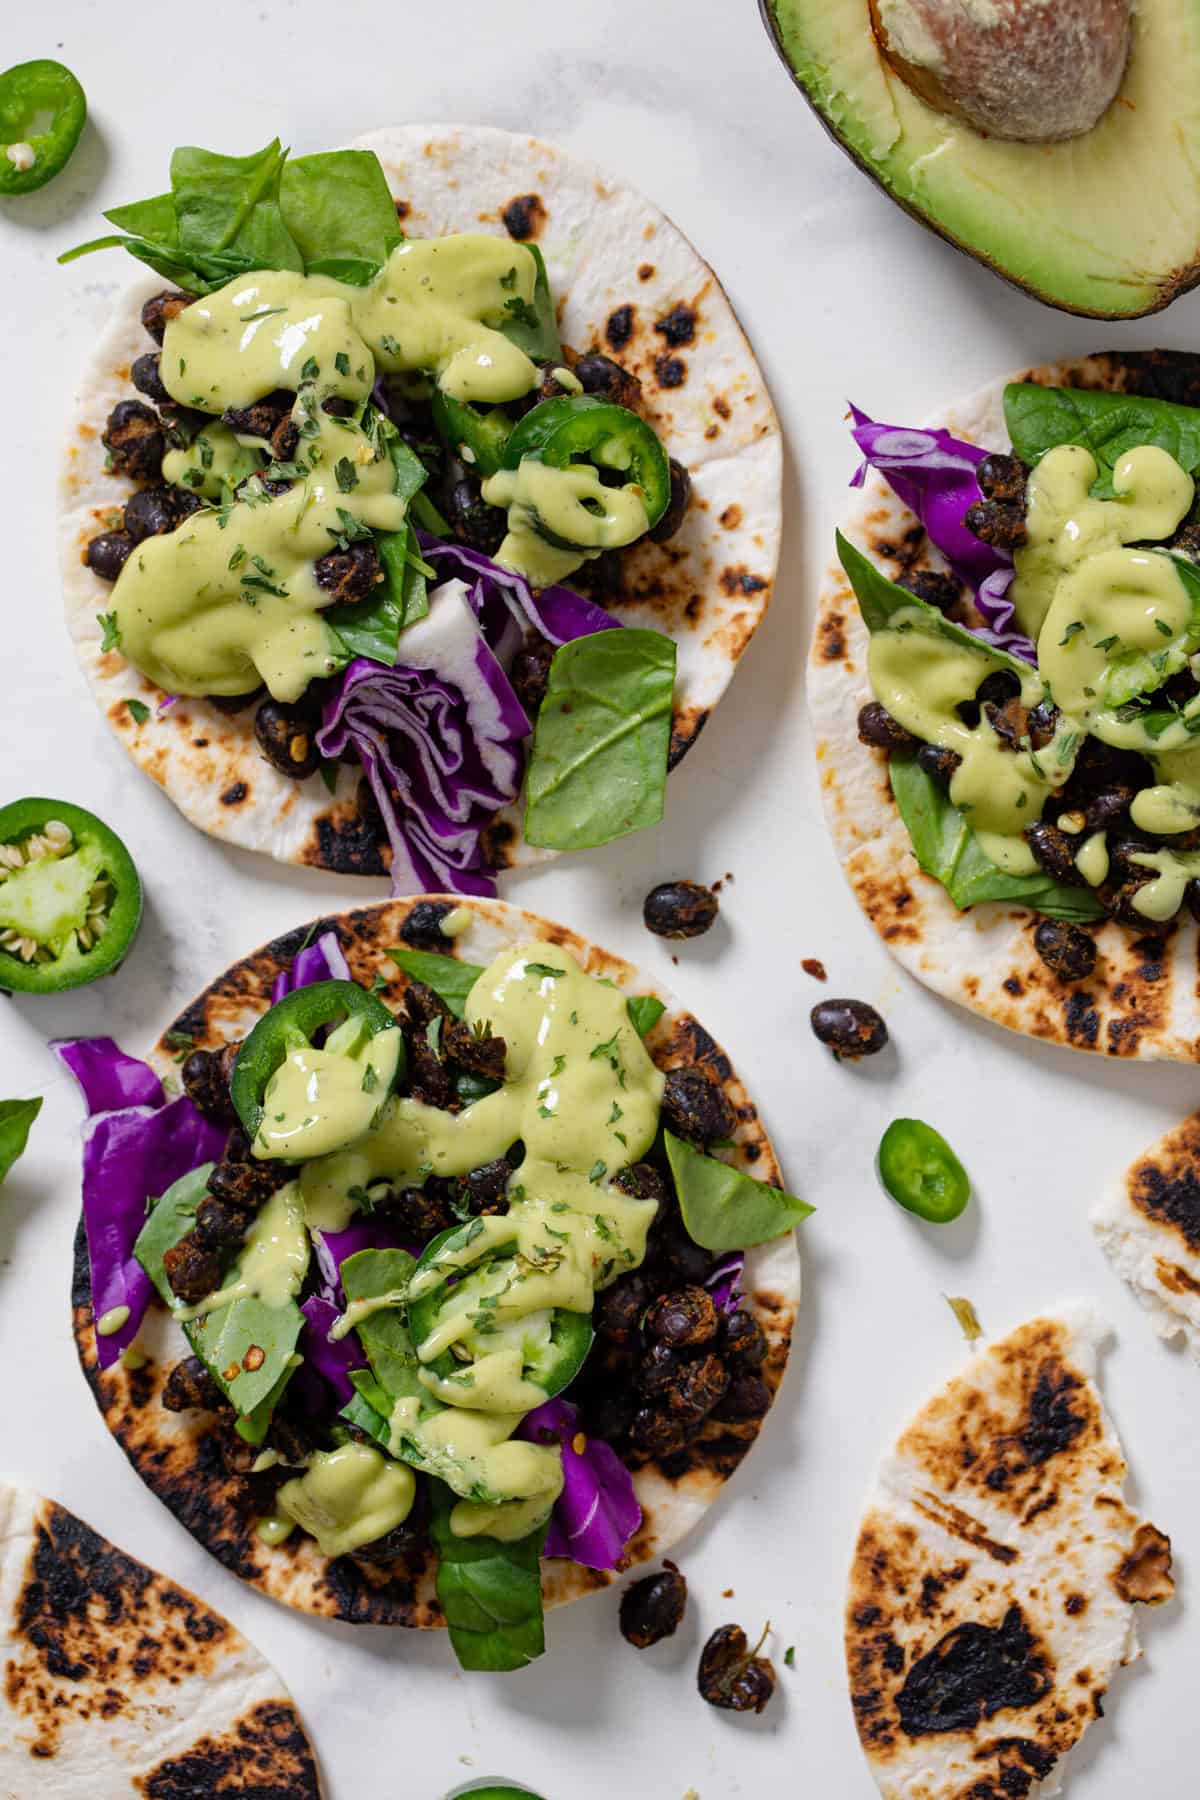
(1069, 952)
(743, 1343)
(602, 376)
(733, 1676)
(747, 1397)
(134, 440)
(1055, 851)
(996, 523)
(679, 909)
(653, 1608)
(849, 1027)
(147, 378)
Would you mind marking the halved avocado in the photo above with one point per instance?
(1106, 224)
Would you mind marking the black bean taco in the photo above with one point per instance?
(1005, 685)
(455, 1277)
(420, 523)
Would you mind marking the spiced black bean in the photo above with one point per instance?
(602, 376)
(676, 1261)
(680, 909)
(731, 1675)
(418, 1213)
(658, 1432)
(747, 1397)
(877, 727)
(205, 1075)
(653, 1608)
(696, 1387)
(937, 763)
(133, 438)
(349, 574)
(642, 1181)
(1055, 851)
(287, 738)
(743, 1342)
(219, 1225)
(997, 523)
(472, 519)
(620, 1308)
(191, 1272)
(933, 586)
(849, 1027)
(685, 1317)
(107, 554)
(677, 505)
(1069, 952)
(147, 378)
(151, 512)
(695, 1108)
(160, 309)
(190, 1386)
(658, 1369)
(530, 674)
(1002, 478)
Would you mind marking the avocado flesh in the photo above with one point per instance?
(1104, 224)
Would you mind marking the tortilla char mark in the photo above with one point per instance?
(264, 1756)
(972, 1673)
(98, 1633)
(1166, 1186)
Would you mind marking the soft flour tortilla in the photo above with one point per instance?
(167, 1449)
(1148, 1225)
(605, 248)
(998, 1546)
(118, 1682)
(1143, 999)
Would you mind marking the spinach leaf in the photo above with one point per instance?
(534, 329)
(724, 1209)
(946, 848)
(231, 204)
(410, 472)
(384, 1335)
(880, 599)
(645, 1010)
(223, 1338)
(599, 762)
(16, 1116)
(449, 978)
(490, 1592)
(372, 627)
(369, 1408)
(340, 213)
(1108, 425)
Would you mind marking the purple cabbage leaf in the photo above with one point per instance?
(597, 1512)
(322, 960)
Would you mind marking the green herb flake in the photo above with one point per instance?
(341, 363)
(112, 631)
(370, 1078)
(543, 969)
(1161, 625)
(346, 474)
(138, 711)
(1073, 630)
(598, 1171)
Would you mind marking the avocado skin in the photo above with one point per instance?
(1168, 287)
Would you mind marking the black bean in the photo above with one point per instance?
(996, 523)
(695, 1388)
(1002, 478)
(219, 1225)
(999, 686)
(657, 1432)
(608, 1415)
(658, 1369)
(676, 1260)
(1043, 722)
(743, 1343)
(147, 378)
(685, 1317)
(695, 1108)
(1065, 949)
(677, 505)
(877, 727)
(530, 674)
(933, 586)
(231, 704)
(620, 1308)
(642, 1181)
(1191, 895)
(730, 1676)
(349, 574)
(1109, 805)
(653, 1608)
(262, 418)
(160, 309)
(680, 909)
(107, 554)
(287, 738)
(248, 1185)
(205, 1075)
(485, 1189)
(417, 1213)
(191, 1271)
(190, 1385)
(747, 1397)
(938, 763)
(472, 519)
(849, 1027)
(1055, 851)
(151, 512)
(134, 440)
(602, 376)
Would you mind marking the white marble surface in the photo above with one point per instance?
(842, 295)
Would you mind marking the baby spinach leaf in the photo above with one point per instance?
(340, 213)
(449, 978)
(645, 1010)
(384, 1334)
(1108, 425)
(599, 762)
(171, 1217)
(880, 599)
(16, 1117)
(534, 329)
(490, 1592)
(372, 627)
(724, 1209)
(946, 848)
(410, 472)
(231, 204)
(368, 1408)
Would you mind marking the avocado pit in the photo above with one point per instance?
(1035, 71)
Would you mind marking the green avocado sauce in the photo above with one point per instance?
(1113, 620)
(583, 1096)
(230, 599)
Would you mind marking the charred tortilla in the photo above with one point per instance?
(1142, 999)
(119, 1682)
(175, 1454)
(1148, 1225)
(630, 285)
(992, 1589)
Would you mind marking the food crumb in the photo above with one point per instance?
(789, 1657)
(720, 882)
(813, 967)
(968, 1318)
(727, 1593)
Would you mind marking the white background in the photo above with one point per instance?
(842, 296)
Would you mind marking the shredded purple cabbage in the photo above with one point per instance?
(332, 1361)
(440, 739)
(724, 1282)
(558, 613)
(132, 1152)
(597, 1512)
(322, 960)
(933, 473)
